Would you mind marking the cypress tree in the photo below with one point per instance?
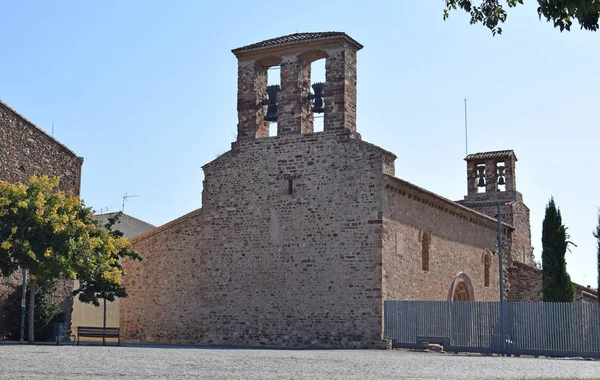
(597, 236)
(556, 282)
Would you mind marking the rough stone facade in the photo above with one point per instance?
(302, 236)
(26, 150)
(526, 285)
(460, 241)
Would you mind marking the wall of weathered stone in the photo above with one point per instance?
(526, 285)
(515, 213)
(26, 150)
(459, 240)
(271, 268)
(167, 289)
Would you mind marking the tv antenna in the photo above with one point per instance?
(125, 199)
(104, 209)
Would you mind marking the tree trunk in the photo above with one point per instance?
(32, 289)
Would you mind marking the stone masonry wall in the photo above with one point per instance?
(526, 285)
(166, 290)
(26, 150)
(515, 213)
(459, 240)
(271, 267)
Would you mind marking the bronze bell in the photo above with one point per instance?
(501, 181)
(319, 102)
(271, 102)
(481, 182)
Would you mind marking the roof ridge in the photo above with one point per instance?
(448, 202)
(166, 226)
(294, 38)
(35, 127)
(491, 154)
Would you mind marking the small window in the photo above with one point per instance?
(425, 246)
(486, 270)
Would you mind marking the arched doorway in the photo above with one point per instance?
(461, 316)
(461, 293)
(461, 288)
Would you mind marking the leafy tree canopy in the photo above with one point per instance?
(561, 13)
(54, 235)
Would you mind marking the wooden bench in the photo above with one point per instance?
(98, 332)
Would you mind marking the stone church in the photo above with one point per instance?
(303, 235)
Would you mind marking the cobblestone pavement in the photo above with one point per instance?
(97, 362)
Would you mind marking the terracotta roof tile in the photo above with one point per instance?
(295, 38)
(486, 155)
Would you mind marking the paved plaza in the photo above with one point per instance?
(97, 362)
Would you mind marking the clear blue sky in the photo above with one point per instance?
(145, 91)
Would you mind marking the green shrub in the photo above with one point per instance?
(46, 315)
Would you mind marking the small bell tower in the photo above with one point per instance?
(293, 103)
(491, 176)
(491, 179)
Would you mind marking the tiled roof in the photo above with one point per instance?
(295, 38)
(36, 128)
(486, 155)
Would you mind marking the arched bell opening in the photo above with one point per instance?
(269, 69)
(315, 86)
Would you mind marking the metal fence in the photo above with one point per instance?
(526, 328)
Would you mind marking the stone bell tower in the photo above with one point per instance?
(293, 104)
(491, 179)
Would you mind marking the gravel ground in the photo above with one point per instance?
(97, 362)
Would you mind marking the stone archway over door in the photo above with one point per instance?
(461, 288)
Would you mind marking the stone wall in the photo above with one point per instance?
(166, 290)
(459, 240)
(525, 284)
(26, 150)
(515, 213)
(287, 251)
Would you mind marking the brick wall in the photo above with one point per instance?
(26, 150)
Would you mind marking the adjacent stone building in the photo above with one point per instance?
(303, 235)
(26, 150)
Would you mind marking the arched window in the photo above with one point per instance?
(425, 247)
(486, 269)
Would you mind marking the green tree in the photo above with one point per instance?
(560, 12)
(53, 235)
(104, 281)
(597, 236)
(556, 282)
